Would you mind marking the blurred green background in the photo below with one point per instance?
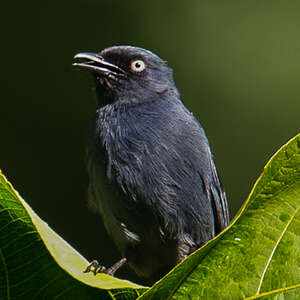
(236, 64)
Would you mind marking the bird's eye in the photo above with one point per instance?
(138, 66)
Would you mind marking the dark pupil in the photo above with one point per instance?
(137, 65)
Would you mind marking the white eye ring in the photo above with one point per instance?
(137, 65)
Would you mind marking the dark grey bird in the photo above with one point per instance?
(152, 175)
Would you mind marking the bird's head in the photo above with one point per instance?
(127, 72)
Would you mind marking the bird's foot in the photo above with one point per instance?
(95, 267)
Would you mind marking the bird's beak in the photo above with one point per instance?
(98, 64)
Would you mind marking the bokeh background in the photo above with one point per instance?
(236, 64)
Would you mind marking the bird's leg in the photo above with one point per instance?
(95, 267)
(111, 271)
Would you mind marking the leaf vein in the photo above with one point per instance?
(274, 249)
(277, 291)
(6, 274)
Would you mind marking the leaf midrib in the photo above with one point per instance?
(275, 248)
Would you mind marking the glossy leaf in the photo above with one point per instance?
(258, 255)
(36, 263)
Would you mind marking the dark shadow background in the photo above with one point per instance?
(237, 66)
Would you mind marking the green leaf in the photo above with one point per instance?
(36, 263)
(258, 255)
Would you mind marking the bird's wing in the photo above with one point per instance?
(218, 202)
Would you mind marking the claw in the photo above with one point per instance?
(95, 267)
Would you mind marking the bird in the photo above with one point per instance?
(152, 175)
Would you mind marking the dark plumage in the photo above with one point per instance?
(152, 175)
